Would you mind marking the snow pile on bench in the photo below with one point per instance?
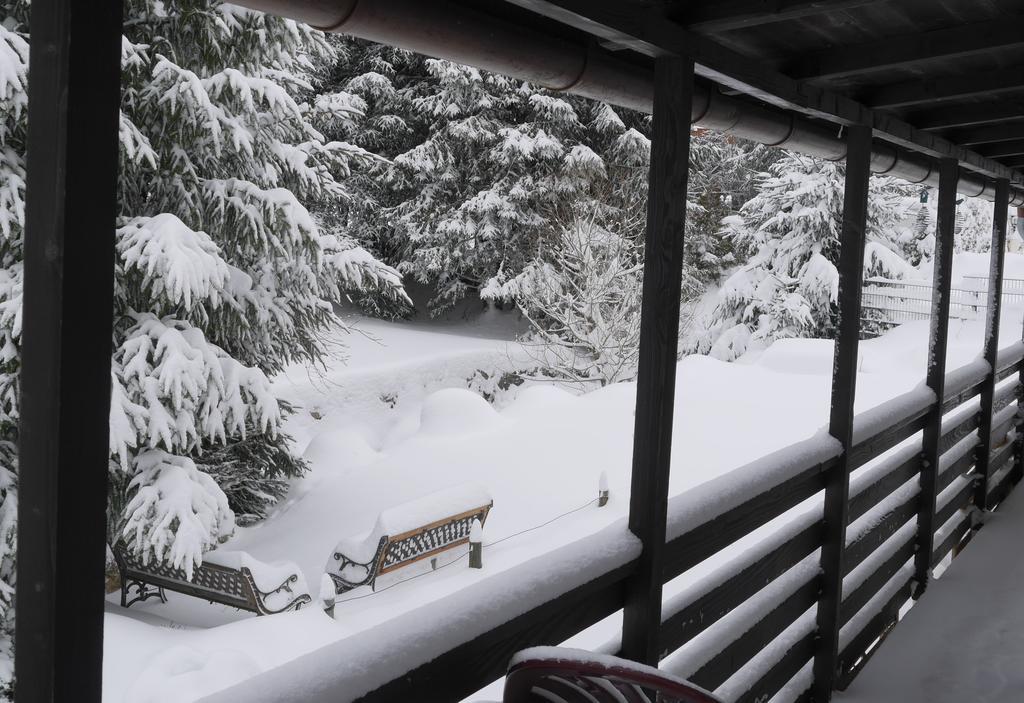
(267, 577)
(411, 516)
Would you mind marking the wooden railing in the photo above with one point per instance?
(747, 626)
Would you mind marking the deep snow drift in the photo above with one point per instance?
(399, 422)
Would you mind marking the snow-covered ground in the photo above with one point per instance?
(398, 420)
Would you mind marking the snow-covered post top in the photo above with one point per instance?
(602, 490)
(476, 546)
(327, 594)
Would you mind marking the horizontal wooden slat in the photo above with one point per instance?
(735, 655)
(853, 656)
(867, 449)
(707, 609)
(881, 489)
(958, 468)
(485, 658)
(960, 501)
(1000, 431)
(1002, 484)
(870, 496)
(708, 538)
(779, 675)
(959, 431)
(1000, 457)
(861, 547)
(1004, 395)
(951, 540)
(952, 401)
(1007, 370)
(867, 589)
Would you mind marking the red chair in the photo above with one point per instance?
(561, 675)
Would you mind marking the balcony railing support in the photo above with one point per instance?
(935, 376)
(659, 341)
(74, 93)
(997, 256)
(844, 387)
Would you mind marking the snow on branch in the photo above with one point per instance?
(273, 215)
(182, 389)
(134, 144)
(359, 270)
(13, 73)
(880, 260)
(176, 261)
(176, 513)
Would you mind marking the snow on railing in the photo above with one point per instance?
(705, 502)
(349, 668)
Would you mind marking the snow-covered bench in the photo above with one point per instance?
(231, 578)
(408, 533)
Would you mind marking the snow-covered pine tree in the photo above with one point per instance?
(225, 272)
(723, 171)
(13, 125)
(582, 290)
(973, 228)
(788, 287)
(478, 159)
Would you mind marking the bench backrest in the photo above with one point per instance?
(426, 541)
(213, 582)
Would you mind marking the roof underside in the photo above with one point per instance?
(945, 77)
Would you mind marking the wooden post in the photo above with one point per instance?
(844, 387)
(1017, 474)
(935, 377)
(991, 348)
(74, 94)
(659, 341)
(476, 545)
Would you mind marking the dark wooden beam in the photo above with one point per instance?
(648, 32)
(938, 88)
(74, 94)
(1000, 149)
(659, 342)
(840, 426)
(991, 348)
(908, 49)
(1014, 161)
(724, 15)
(988, 134)
(935, 377)
(967, 115)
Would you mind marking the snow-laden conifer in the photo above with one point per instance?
(227, 264)
(789, 285)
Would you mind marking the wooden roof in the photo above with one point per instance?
(945, 77)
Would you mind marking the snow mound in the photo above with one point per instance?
(340, 450)
(410, 516)
(803, 356)
(403, 428)
(186, 674)
(456, 411)
(537, 398)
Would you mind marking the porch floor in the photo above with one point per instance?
(964, 640)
